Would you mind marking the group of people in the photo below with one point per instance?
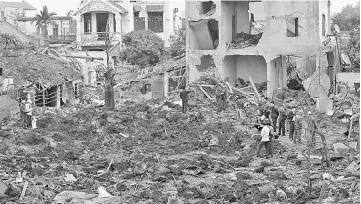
(271, 116)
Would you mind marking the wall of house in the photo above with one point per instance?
(324, 9)
(275, 30)
(10, 29)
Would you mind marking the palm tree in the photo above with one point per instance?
(43, 19)
(6, 40)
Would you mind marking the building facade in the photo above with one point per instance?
(123, 16)
(10, 11)
(228, 33)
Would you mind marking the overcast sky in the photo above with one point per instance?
(62, 6)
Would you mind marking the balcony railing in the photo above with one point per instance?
(62, 39)
(100, 36)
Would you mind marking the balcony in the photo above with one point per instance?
(100, 36)
(62, 39)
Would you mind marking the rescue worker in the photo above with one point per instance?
(312, 127)
(274, 115)
(298, 127)
(282, 120)
(220, 98)
(266, 140)
(184, 96)
(291, 118)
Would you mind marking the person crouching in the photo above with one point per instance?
(266, 140)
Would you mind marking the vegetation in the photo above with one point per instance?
(5, 41)
(142, 48)
(178, 42)
(43, 19)
(349, 20)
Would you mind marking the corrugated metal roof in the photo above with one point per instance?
(23, 5)
(154, 8)
(137, 8)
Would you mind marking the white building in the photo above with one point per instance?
(124, 16)
(10, 11)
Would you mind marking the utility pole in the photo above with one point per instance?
(109, 74)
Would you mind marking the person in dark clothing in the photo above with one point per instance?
(184, 96)
(274, 115)
(221, 98)
(282, 120)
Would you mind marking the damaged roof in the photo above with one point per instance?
(154, 8)
(18, 5)
(39, 68)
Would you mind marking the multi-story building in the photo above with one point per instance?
(123, 16)
(62, 30)
(10, 11)
(226, 33)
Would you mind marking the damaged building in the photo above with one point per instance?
(267, 41)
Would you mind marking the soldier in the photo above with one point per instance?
(282, 120)
(220, 98)
(274, 115)
(291, 118)
(312, 128)
(298, 127)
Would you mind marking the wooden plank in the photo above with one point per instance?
(258, 96)
(205, 93)
(229, 87)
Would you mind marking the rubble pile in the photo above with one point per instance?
(243, 40)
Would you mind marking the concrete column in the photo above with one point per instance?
(58, 96)
(118, 24)
(111, 22)
(283, 71)
(79, 27)
(94, 23)
(166, 84)
(269, 79)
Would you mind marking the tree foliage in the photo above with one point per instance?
(6, 40)
(142, 48)
(349, 20)
(43, 19)
(178, 42)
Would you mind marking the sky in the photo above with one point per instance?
(61, 7)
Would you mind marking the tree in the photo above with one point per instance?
(6, 40)
(43, 19)
(178, 42)
(142, 48)
(349, 20)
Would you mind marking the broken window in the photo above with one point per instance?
(155, 21)
(292, 27)
(87, 23)
(323, 25)
(204, 34)
(206, 8)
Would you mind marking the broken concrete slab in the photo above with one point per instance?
(353, 167)
(324, 104)
(3, 187)
(342, 148)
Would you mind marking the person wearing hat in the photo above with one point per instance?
(266, 134)
(274, 115)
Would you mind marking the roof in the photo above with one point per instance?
(40, 68)
(154, 8)
(24, 5)
(137, 8)
(6, 27)
(121, 8)
(51, 18)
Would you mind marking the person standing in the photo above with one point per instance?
(184, 96)
(298, 128)
(291, 118)
(312, 127)
(22, 112)
(219, 98)
(282, 120)
(28, 112)
(274, 115)
(266, 134)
